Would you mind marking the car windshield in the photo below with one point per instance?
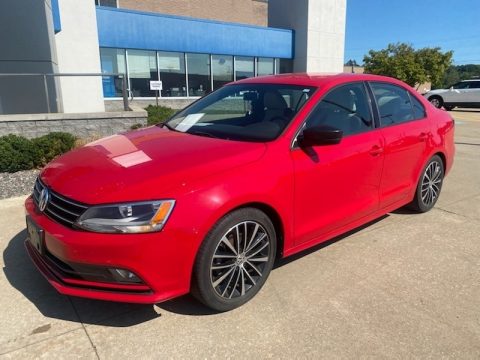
(245, 112)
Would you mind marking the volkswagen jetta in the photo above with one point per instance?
(258, 170)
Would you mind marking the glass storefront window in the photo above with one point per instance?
(142, 67)
(222, 69)
(264, 66)
(199, 82)
(112, 61)
(244, 67)
(172, 73)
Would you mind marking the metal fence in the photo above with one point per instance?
(12, 92)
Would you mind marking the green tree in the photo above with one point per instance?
(456, 73)
(403, 62)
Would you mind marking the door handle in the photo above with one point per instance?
(376, 150)
(423, 136)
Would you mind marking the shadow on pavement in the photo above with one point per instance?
(285, 261)
(466, 110)
(186, 305)
(24, 276)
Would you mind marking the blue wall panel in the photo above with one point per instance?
(57, 25)
(119, 28)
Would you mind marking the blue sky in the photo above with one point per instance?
(450, 24)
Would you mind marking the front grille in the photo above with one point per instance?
(59, 208)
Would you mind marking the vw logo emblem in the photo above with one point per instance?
(44, 198)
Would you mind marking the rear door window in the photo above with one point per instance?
(418, 109)
(395, 104)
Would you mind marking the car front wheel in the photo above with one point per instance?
(234, 260)
(429, 185)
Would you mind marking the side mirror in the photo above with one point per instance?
(319, 135)
(451, 88)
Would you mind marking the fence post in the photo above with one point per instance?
(46, 92)
(124, 93)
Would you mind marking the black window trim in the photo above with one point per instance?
(374, 99)
(370, 99)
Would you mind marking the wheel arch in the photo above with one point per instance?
(274, 216)
(442, 156)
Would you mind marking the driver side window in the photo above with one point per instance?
(461, 85)
(346, 108)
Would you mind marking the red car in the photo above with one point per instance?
(258, 170)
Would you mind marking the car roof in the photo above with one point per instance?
(316, 79)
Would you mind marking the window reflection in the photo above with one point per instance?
(142, 67)
(182, 74)
(112, 61)
(222, 68)
(244, 67)
(198, 74)
(172, 73)
(265, 66)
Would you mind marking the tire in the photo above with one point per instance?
(230, 267)
(448, 107)
(429, 185)
(436, 101)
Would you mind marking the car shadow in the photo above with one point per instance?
(301, 254)
(23, 276)
(466, 110)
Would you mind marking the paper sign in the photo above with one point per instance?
(156, 85)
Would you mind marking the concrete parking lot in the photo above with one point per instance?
(405, 286)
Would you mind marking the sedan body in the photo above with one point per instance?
(260, 169)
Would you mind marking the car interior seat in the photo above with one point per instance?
(342, 111)
(389, 107)
(275, 108)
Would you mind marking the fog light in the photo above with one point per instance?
(125, 276)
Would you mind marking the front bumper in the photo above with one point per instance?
(153, 257)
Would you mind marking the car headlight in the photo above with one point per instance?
(138, 217)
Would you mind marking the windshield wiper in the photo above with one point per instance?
(164, 124)
(201, 133)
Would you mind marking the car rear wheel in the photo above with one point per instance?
(436, 101)
(234, 260)
(429, 185)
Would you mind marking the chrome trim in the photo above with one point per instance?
(71, 202)
(57, 203)
(54, 214)
(63, 209)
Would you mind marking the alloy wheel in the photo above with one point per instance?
(431, 183)
(240, 259)
(436, 102)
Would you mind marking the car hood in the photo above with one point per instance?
(143, 164)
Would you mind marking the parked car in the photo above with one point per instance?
(258, 170)
(465, 94)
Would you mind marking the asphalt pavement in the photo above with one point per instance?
(405, 286)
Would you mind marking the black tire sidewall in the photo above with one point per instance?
(436, 97)
(418, 203)
(202, 288)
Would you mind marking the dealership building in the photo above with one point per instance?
(192, 46)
